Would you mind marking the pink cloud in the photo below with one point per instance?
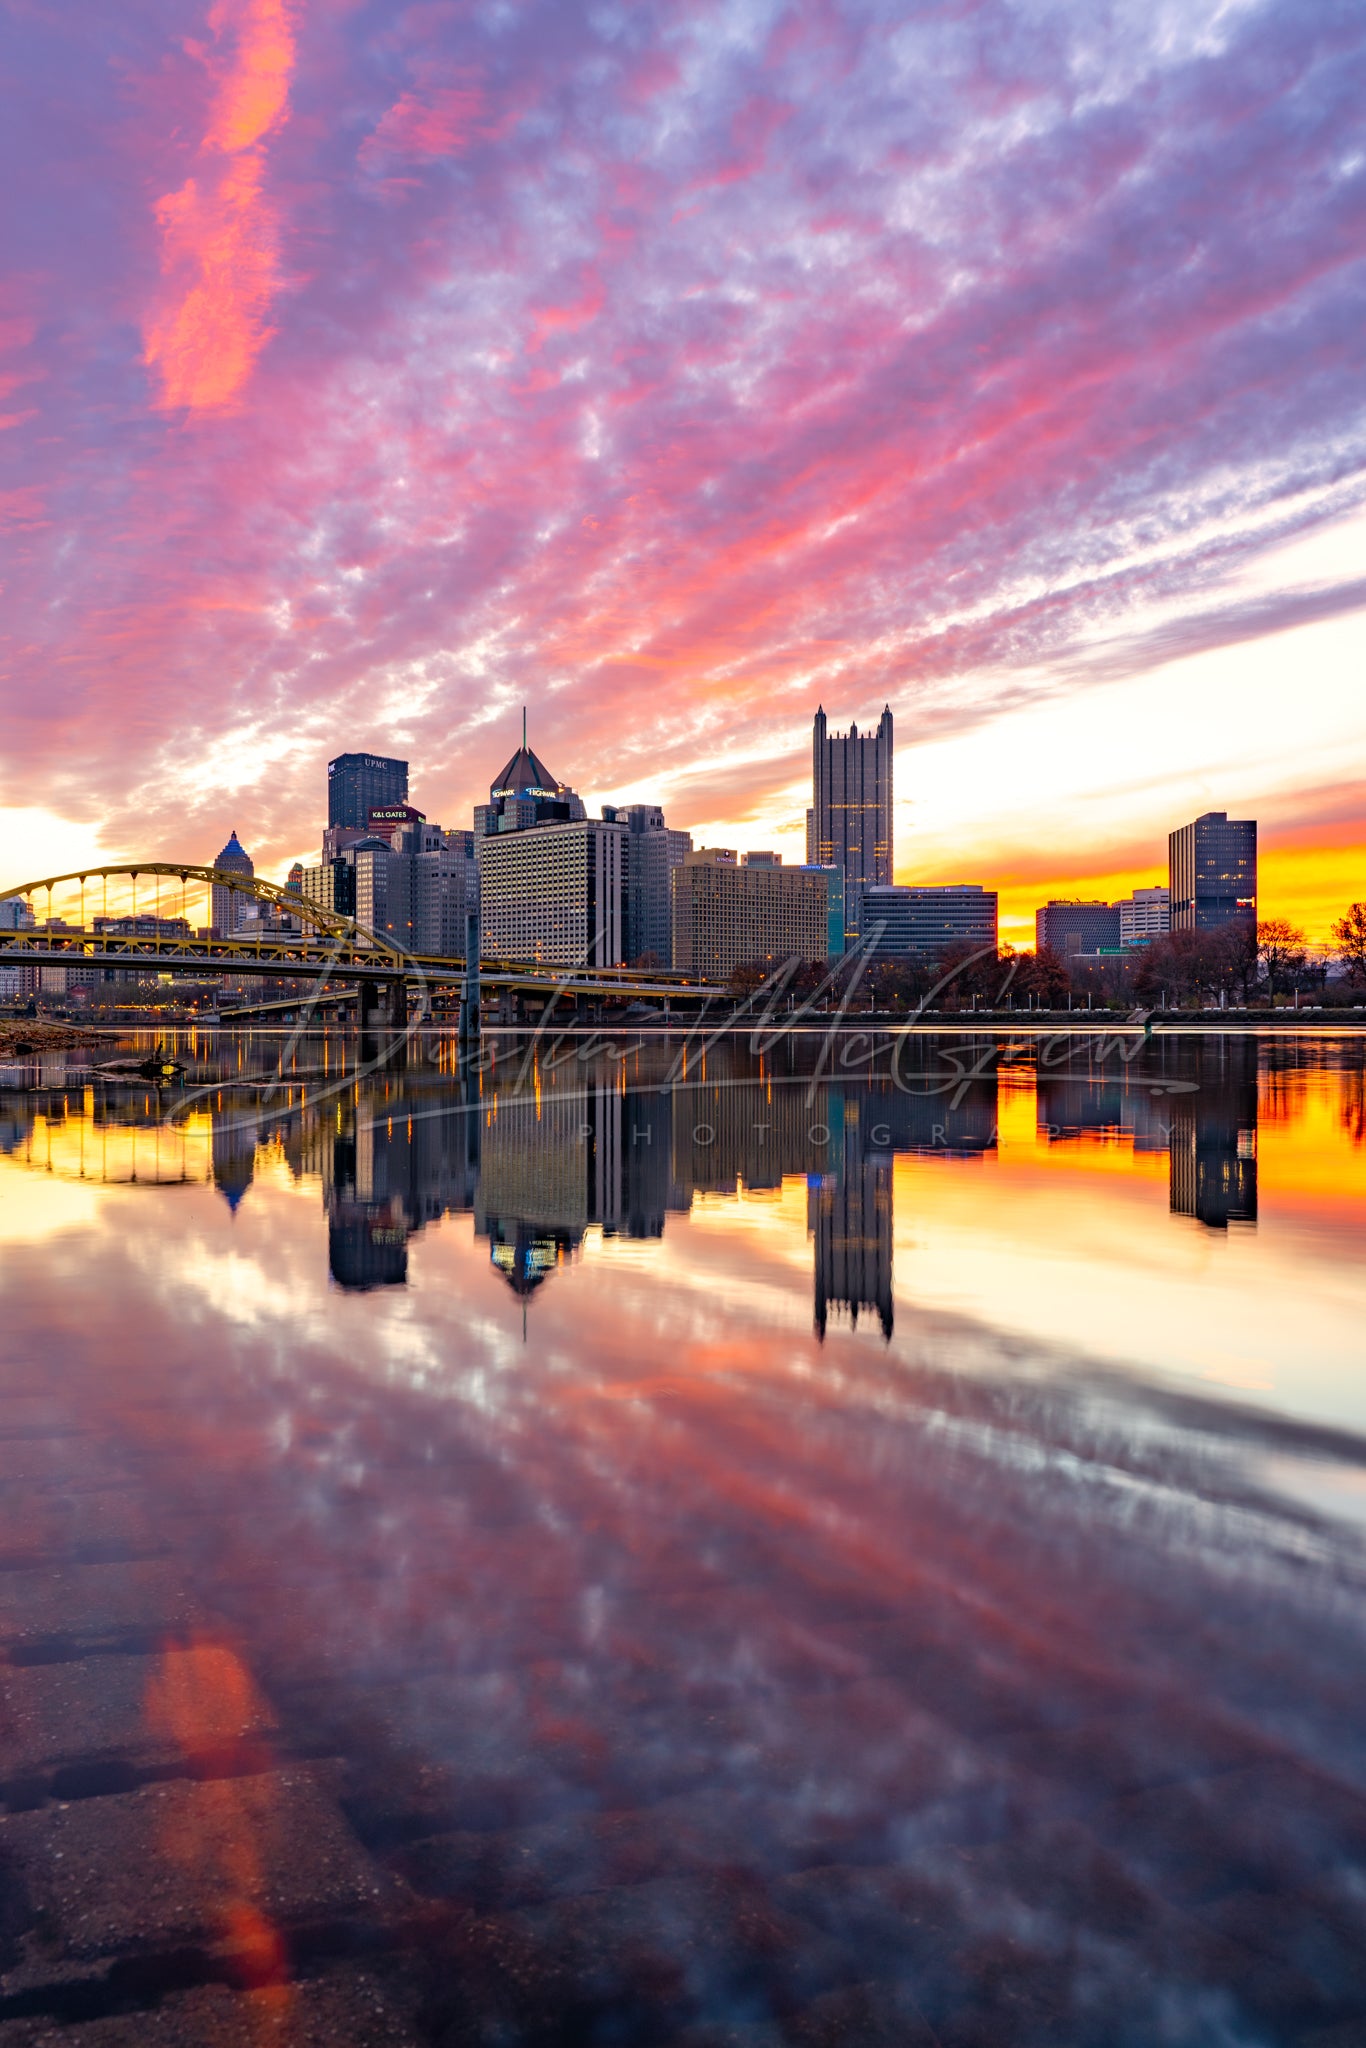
(220, 230)
(695, 378)
(423, 125)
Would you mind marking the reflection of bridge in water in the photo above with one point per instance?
(88, 1143)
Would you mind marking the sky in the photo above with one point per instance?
(368, 372)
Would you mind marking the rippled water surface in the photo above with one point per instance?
(672, 1545)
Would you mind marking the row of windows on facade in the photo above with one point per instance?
(1212, 870)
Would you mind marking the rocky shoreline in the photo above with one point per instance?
(22, 1037)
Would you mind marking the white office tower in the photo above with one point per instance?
(555, 893)
(1145, 915)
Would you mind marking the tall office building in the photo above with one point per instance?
(360, 783)
(552, 880)
(850, 824)
(653, 851)
(726, 916)
(384, 890)
(412, 884)
(1212, 871)
(526, 793)
(554, 892)
(1077, 927)
(228, 906)
(1144, 916)
(928, 920)
(445, 885)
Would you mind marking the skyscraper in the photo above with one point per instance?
(360, 783)
(653, 851)
(850, 825)
(1213, 872)
(524, 794)
(228, 904)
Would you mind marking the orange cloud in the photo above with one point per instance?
(220, 231)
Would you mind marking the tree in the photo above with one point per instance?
(899, 984)
(1183, 966)
(1349, 936)
(965, 971)
(1044, 975)
(1280, 947)
(745, 979)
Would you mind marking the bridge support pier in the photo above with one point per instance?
(383, 1005)
(468, 1039)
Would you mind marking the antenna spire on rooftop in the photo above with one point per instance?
(524, 726)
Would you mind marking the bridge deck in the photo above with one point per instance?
(301, 957)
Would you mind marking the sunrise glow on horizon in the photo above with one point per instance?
(367, 373)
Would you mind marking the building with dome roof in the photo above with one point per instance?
(229, 905)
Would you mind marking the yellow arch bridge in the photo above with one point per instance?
(165, 917)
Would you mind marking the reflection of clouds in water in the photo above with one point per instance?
(776, 1668)
(722, 1672)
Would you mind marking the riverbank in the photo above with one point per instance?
(21, 1037)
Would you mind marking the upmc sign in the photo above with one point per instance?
(359, 761)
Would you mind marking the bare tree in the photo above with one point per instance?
(1280, 946)
(1044, 976)
(1349, 936)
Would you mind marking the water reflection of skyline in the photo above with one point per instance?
(539, 1171)
(680, 1666)
(537, 1174)
(539, 1157)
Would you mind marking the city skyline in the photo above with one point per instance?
(536, 798)
(381, 379)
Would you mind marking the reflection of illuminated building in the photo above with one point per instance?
(849, 1214)
(1214, 1138)
(1113, 1104)
(723, 1134)
(550, 1167)
(1195, 1100)
(234, 1159)
(524, 1255)
(385, 1174)
(367, 1246)
(649, 1189)
(1213, 1168)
